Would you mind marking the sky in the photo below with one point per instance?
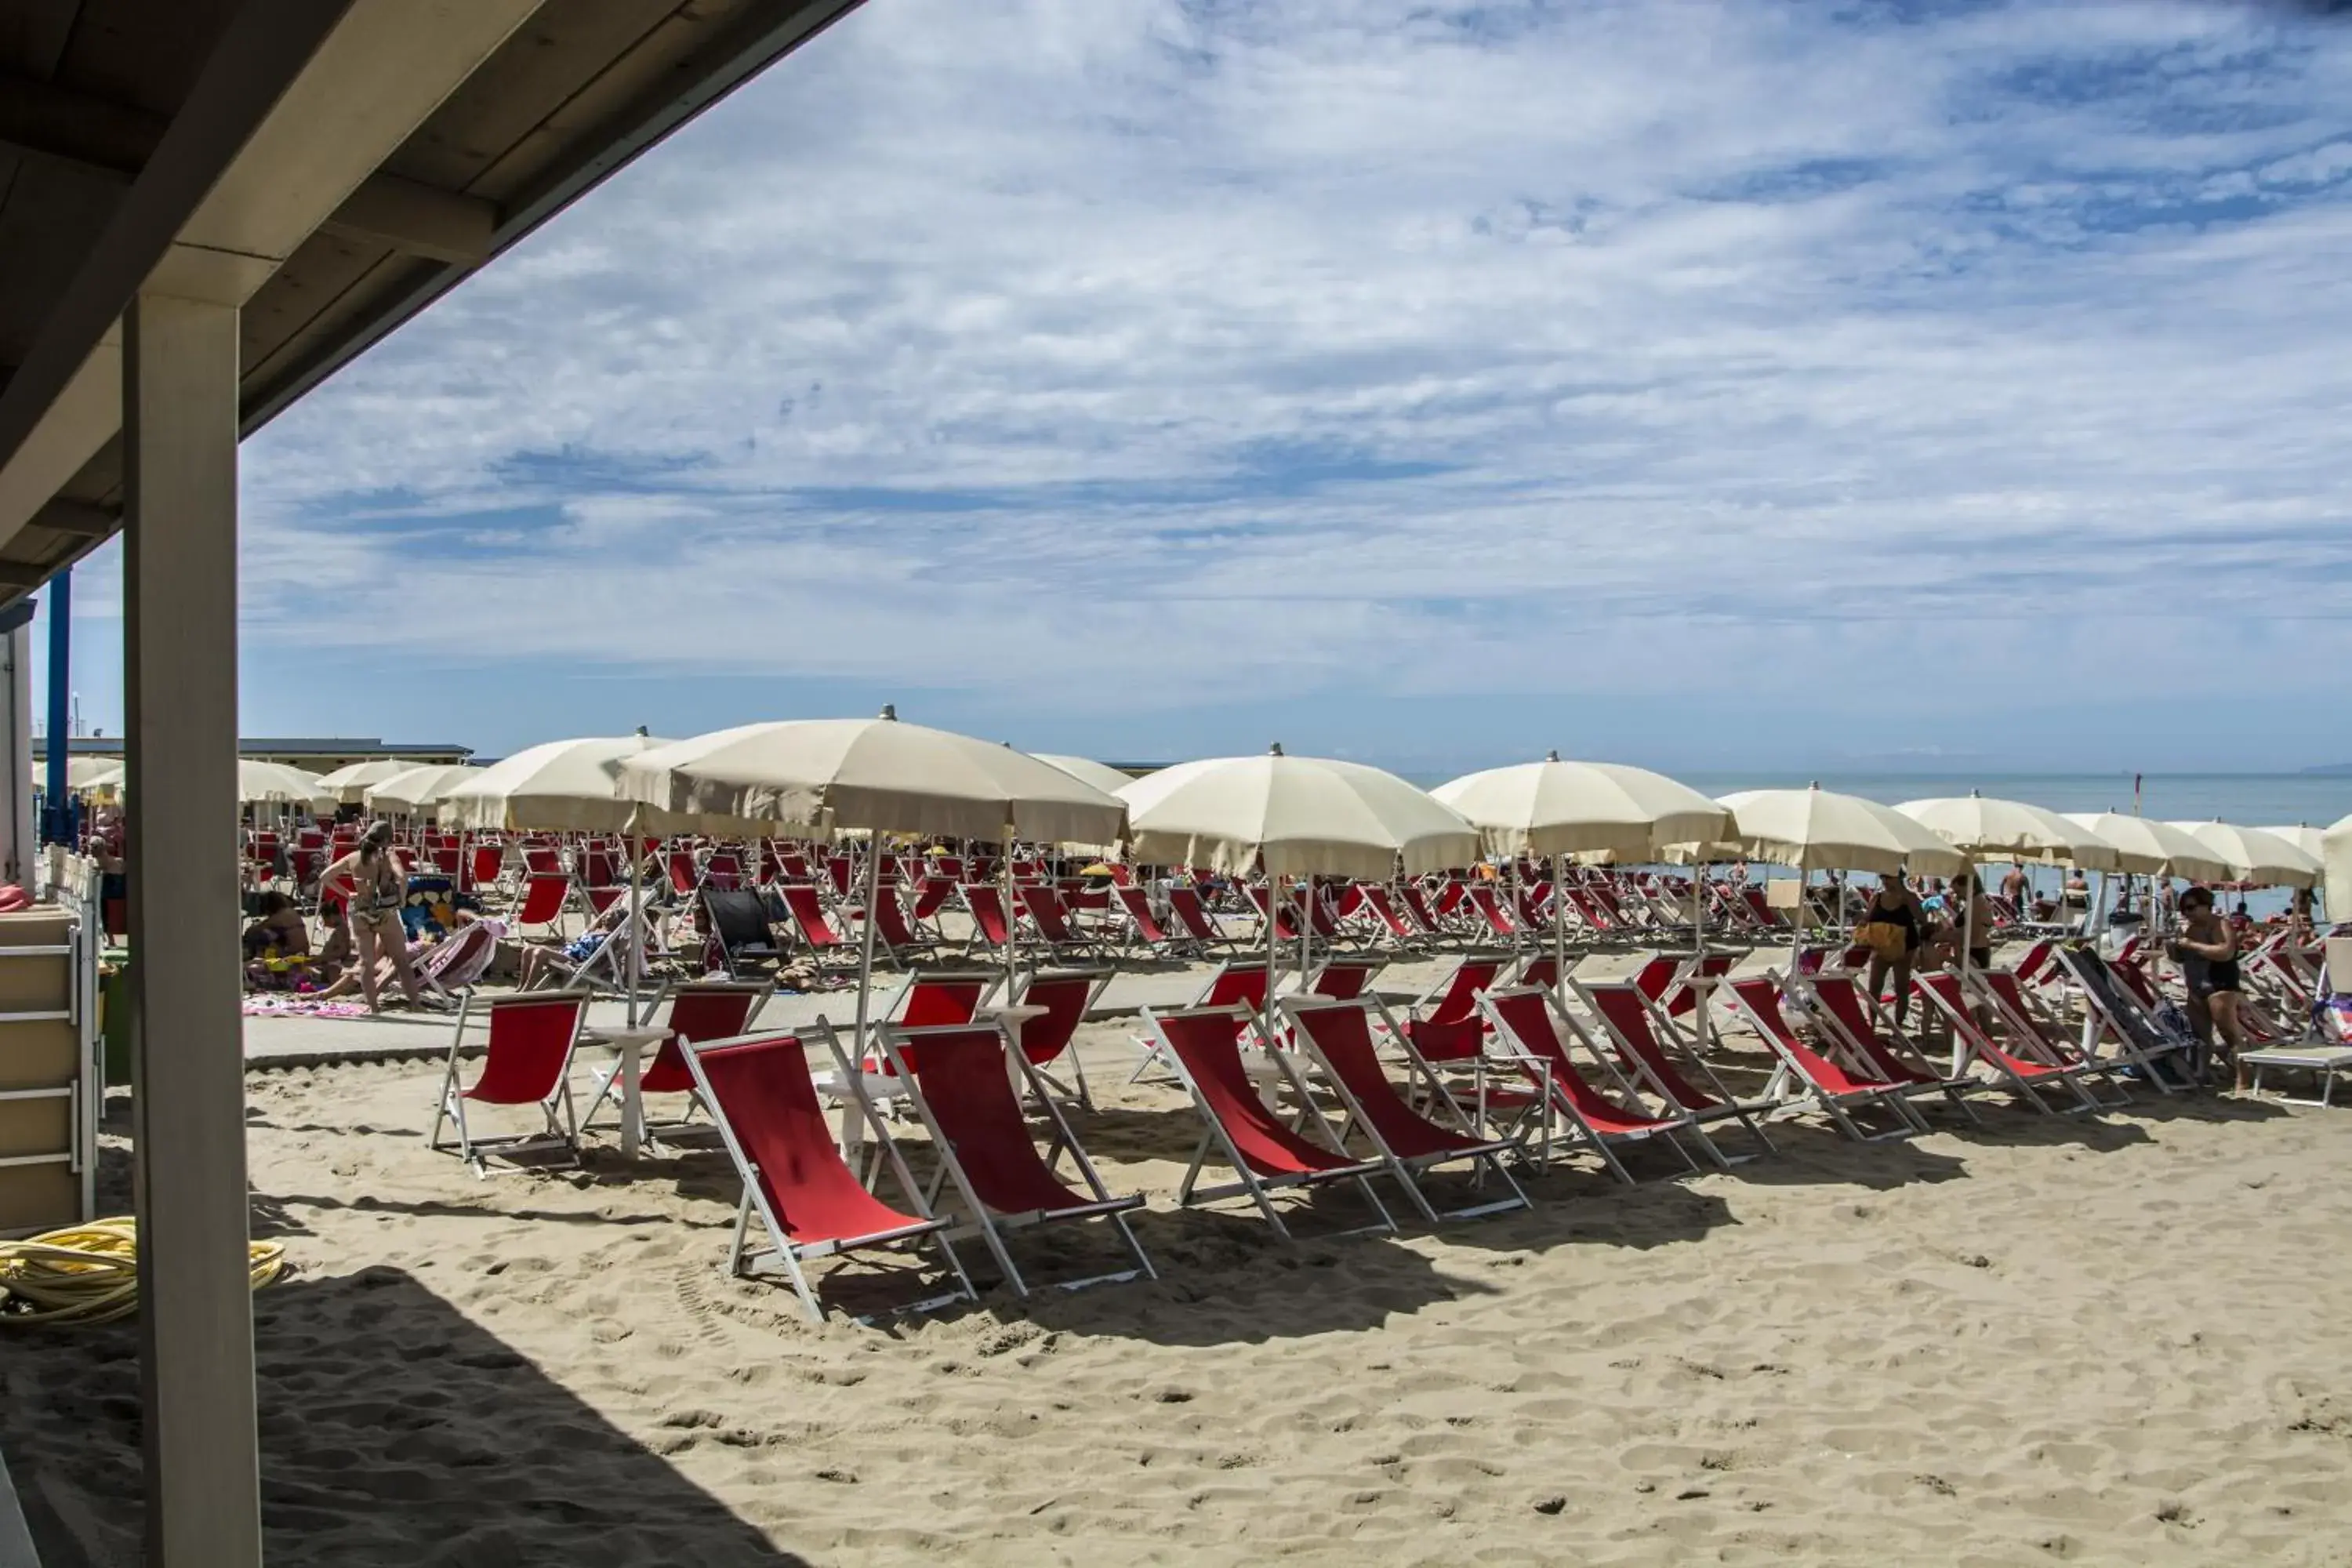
(1435, 383)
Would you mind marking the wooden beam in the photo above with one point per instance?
(82, 518)
(111, 142)
(417, 220)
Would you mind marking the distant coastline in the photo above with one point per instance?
(2331, 770)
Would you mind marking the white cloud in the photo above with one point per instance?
(1390, 348)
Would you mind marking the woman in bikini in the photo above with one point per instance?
(378, 887)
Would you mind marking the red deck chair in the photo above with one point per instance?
(1838, 1094)
(699, 1010)
(529, 1062)
(1043, 906)
(891, 929)
(1238, 982)
(1336, 1036)
(1527, 1025)
(809, 1201)
(1185, 908)
(932, 896)
(1344, 979)
(991, 923)
(1424, 914)
(1143, 928)
(1673, 1070)
(1895, 1062)
(810, 922)
(2026, 1079)
(1204, 1046)
(545, 895)
(962, 1092)
(1285, 919)
(487, 861)
(723, 870)
(1066, 995)
(1541, 971)
(838, 872)
(2038, 1035)
(1486, 905)
(682, 876)
(1376, 903)
(1444, 1025)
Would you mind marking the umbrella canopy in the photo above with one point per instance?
(1108, 780)
(1554, 807)
(350, 782)
(2311, 841)
(2337, 857)
(2147, 847)
(875, 773)
(561, 786)
(2253, 856)
(1306, 816)
(81, 773)
(1817, 829)
(418, 788)
(275, 783)
(1994, 828)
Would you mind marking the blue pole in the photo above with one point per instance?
(60, 822)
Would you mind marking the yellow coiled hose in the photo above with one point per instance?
(90, 1273)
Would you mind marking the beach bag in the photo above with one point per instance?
(1883, 938)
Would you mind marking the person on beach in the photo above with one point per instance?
(277, 944)
(378, 887)
(1893, 926)
(2015, 886)
(2075, 899)
(2207, 951)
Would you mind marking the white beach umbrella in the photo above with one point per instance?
(1554, 807)
(874, 773)
(1304, 815)
(561, 786)
(275, 783)
(2336, 845)
(2311, 841)
(2253, 856)
(350, 782)
(418, 788)
(1989, 828)
(1594, 809)
(877, 774)
(81, 773)
(1816, 829)
(2147, 847)
(109, 776)
(1107, 779)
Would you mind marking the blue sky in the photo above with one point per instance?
(1703, 386)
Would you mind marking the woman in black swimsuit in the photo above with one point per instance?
(2207, 951)
(378, 887)
(1895, 904)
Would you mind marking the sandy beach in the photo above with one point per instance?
(2044, 1340)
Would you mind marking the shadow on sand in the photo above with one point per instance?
(393, 1431)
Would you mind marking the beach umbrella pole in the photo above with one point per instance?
(866, 945)
(637, 937)
(1559, 925)
(1012, 915)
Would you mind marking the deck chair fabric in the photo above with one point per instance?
(1848, 1017)
(1337, 1036)
(526, 1061)
(812, 925)
(1266, 1155)
(963, 1091)
(2156, 1054)
(809, 1203)
(1444, 1025)
(1529, 1027)
(1840, 1096)
(699, 1010)
(2027, 1081)
(1184, 906)
(1066, 996)
(739, 925)
(1649, 1050)
(1343, 978)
